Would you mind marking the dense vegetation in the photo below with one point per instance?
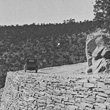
(102, 13)
(51, 44)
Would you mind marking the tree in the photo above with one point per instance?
(69, 21)
(102, 12)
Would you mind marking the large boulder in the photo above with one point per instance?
(98, 51)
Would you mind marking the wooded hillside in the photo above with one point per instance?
(51, 44)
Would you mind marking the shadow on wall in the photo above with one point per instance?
(2, 81)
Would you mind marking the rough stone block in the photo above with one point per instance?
(84, 105)
(89, 85)
(72, 107)
(102, 94)
(101, 105)
(101, 85)
(107, 91)
(89, 100)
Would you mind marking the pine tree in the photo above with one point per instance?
(102, 12)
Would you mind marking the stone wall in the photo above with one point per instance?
(27, 91)
(1, 91)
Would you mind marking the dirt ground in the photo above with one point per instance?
(65, 70)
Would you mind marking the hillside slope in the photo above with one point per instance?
(52, 44)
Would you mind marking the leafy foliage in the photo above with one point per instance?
(102, 13)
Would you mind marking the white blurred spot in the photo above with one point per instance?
(58, 44)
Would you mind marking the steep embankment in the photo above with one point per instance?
(57, 88)
(65, 70)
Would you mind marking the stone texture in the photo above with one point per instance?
(97, 52)
(49, 92)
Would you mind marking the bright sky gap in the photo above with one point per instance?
(21, 12)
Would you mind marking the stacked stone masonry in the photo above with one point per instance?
(29, 91)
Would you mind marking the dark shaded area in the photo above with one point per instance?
(107, 55)
(99, 56)
(2, 81)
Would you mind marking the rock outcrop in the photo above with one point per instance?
(29, 91)
(98, 51)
